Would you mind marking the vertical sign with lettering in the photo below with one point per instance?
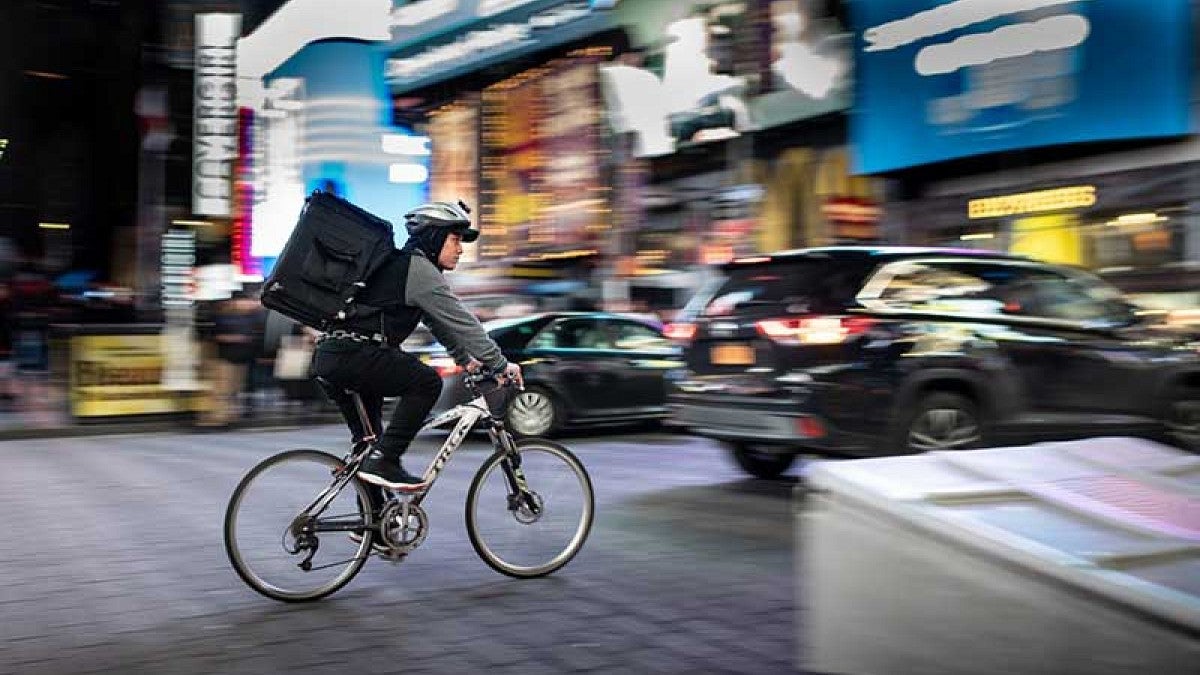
(215, 113)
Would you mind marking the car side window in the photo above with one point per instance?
(981, 288)
(1050, 295)
(572, 334)
(637, 337)
(938, 287)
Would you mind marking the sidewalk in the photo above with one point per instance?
(46, 416)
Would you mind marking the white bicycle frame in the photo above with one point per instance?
(467, 414)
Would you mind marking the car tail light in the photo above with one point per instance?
(810, 427)
(683, 332)
(445, 366)
(813, 330)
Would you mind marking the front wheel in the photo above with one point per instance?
(531, 529)
(282, 545)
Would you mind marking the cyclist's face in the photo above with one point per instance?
(451, 251)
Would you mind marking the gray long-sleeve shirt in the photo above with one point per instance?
(456, 328)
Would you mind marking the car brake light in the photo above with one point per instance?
(813, 330)
(683, 332)
(445, 366)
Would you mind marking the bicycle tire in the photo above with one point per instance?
(237, 557)
(533, 451)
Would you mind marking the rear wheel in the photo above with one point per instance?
(941, 421)
(282, 547)
(1183, 418)
(762, 463)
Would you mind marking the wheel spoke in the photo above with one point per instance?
(265, 505)
(521, 543)
(943, 429)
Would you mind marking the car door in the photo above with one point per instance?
(1052, 327)
(646, 355)
(575, 357)
(1088, 365)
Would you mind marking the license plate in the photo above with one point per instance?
(732, 355)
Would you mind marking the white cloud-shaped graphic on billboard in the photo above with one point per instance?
(1046, 35)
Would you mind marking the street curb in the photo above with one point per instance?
(160, 426)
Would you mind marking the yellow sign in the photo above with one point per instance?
(122, 375)
(1058, 199)
(1053, 238)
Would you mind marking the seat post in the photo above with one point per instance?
(368, 431)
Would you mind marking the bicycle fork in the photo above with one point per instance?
(519, 494)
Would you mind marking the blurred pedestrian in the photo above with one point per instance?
(236, 332)
(7, 386)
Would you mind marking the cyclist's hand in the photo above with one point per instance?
(512, 373)
(473, 366)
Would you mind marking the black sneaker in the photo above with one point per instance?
(378, 469)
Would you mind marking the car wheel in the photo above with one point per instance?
(942, 421)
(1183, 419)
(534, 412)
(762, 463)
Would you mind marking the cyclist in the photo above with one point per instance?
(363, 353)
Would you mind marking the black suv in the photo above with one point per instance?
(875, 351)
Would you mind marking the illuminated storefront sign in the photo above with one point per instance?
(122, 375)
(1058, 199)
(542, 190)
(178, 297)
(215, 144)
(938, 80)
(178, 259)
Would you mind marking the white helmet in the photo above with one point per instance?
(441, 214)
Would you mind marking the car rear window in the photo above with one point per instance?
(817, 283)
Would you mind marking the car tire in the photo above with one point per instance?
(1183, 419)
(762, 463)
(940, 421)
(534, 412)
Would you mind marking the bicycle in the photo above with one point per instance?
(526, 487)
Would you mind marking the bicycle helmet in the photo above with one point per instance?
(453, 217)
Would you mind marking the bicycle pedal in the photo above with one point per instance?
(394, 557)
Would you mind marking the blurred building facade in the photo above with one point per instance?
(1080, 150)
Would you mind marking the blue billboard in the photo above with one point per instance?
(939, 80)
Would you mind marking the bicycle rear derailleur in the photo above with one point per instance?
(402, 527)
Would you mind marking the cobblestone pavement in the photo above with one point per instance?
(114, 563)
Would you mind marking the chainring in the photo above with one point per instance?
(403, 533)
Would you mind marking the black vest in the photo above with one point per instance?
(380, 308)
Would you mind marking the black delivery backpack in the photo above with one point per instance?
(334, 249)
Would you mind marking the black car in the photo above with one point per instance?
(580, 369)
(876, 351)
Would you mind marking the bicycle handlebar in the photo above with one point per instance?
(483, 375)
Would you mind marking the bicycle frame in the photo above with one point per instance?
(467, 415)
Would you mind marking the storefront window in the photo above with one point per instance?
(1131, 241)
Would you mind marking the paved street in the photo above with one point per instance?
(113, 562)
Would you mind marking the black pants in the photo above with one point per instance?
(376, 371)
